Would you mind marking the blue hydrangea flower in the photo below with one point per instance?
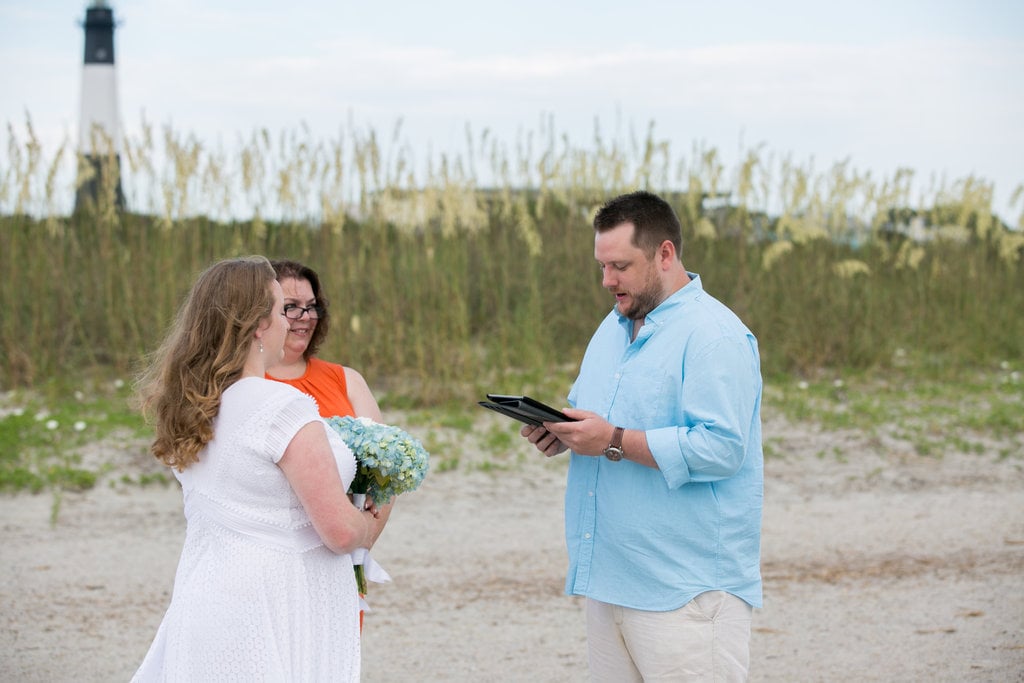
(389, 460)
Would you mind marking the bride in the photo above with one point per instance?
(264, 587)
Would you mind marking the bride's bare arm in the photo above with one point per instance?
(310, 468)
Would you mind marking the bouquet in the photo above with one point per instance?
(389, 461)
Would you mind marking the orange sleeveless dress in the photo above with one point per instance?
(326, 383)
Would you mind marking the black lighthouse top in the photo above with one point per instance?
(99, 33)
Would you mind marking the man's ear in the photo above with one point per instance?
(666, 253)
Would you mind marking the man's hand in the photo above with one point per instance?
(589, 434)
(546, 442)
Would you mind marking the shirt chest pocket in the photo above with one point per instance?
(645, 397)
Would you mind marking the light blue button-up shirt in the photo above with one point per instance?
(653, 539)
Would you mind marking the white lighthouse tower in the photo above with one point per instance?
(99, 133)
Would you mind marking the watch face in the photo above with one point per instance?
(612, 453)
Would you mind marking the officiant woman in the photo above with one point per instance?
(337, 390)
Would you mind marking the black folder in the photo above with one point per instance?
(524, 409)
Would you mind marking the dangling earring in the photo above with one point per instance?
(261, 345)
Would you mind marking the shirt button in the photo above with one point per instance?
(586, 535)
(590, 493)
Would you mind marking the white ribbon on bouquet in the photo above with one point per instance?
(371, 569)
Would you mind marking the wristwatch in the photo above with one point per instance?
(614, 450)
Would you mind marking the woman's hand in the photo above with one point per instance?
(369, 505)
(380, 513)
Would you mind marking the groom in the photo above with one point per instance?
(665, 485)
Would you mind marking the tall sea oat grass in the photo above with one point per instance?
(446, 273)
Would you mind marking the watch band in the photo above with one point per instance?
(614, 450)
(617, 438)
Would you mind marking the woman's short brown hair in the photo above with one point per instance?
(293, 269)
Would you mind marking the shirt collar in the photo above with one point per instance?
(693, 289)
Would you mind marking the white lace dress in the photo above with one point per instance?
(257, 596)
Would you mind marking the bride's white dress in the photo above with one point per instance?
(257, 596)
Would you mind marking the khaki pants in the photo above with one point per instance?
(707, 639)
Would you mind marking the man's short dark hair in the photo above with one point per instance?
(653, 219)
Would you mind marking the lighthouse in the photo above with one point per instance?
(99, 132)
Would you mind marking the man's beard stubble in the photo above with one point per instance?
(646, 300)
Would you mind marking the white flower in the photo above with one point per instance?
(42, 415)
(79, 396)
(802, 385)
(79, 426)
(118, 383)
(52, 424)
(838, 384)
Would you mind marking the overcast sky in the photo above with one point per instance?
(933, 85)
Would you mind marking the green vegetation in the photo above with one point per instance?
(934, 408)
(439, 285)
(45, 444)
(872, 305)
(45, 434)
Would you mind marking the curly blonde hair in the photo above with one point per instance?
(203, 354)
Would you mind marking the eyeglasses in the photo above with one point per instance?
(293, 312)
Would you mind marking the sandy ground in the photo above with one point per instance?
(879, 565)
